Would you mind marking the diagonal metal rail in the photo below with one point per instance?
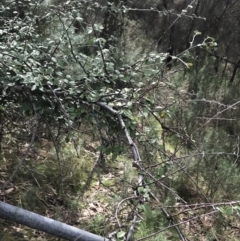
(48, 225)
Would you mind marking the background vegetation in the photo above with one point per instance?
(120, 116)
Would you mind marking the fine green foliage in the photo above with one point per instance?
(101, 125)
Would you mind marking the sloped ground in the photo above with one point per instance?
(73, 187)
(81, 194)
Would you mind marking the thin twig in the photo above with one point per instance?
(35, 128)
